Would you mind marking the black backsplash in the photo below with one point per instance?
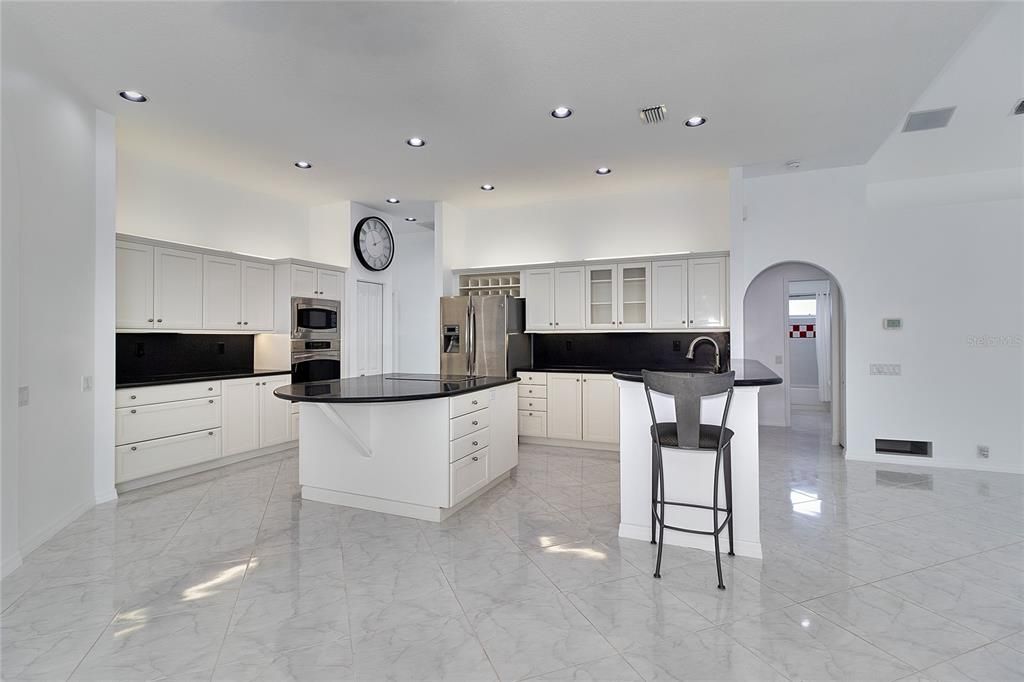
(150, 356)
(627, 350)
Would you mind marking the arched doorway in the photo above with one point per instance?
(794, 322)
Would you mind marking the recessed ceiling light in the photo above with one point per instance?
(561, 112)
(393, 200)
(695, 121)
(793, 164)
(603, 170)
(410, 220)
(415, 142)
(133, 96)
(304, 165)
(487, 188)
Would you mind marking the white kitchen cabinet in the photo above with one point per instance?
(257, 296)
(134, 276)
(146, 422)
(330, 284)
(540, 299)
(565, 406)
(708, 292)
(240, 410)
(275, 414)
(570, 299)
(602, 297)
(304, 282)
(600, 408)
(165, 454)
(222, 293)
(669, 294)
(634, 295)
(468, 475)
(177, 289)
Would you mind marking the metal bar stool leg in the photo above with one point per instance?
(654, 488)
(728, 494)
(661, 514)
(714, 513)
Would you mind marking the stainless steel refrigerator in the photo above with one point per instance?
(483, 336)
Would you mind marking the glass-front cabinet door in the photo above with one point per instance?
(634, 294)
(602, 311)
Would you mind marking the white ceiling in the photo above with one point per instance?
(241, 90)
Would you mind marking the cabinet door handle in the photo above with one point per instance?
(149, 320)
(133, 412)
(475, 458)
(556, 324)
(208, 389)
(133, 397)
(475, 422)
(577, 381)
(133, 448)
(245, 323)
(476, 443)
(209, 433)
(691, 321)
(238, 322)
(584, 381)
(531, 414)
(211, 401)
(475, 402)
(549, 324)
(159, 319)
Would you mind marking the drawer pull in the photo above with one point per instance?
(133, 448)
(211, 401)
(133, 411)
(476, 443)
(475, 403)
(475, 458)
(475, 423)
(209, 433)
(133, 397)
(209, 389)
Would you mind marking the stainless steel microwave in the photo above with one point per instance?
(315, 318)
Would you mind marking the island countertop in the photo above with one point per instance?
(748, 373)
(388, 388)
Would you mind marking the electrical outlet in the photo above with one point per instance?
(677, 345)
(22, 396)
(86, 384)
(983, 451)
(778, 359)
(885, 369)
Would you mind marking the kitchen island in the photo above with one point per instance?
(416, 445)
(688, 473)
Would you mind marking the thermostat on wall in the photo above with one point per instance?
(893, 323)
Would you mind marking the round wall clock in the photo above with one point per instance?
(374, 243)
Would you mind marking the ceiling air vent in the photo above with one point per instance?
(654, 114)
(1019, 109)
(928, 120)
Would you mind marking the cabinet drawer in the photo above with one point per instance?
(146, 422)
(533, 378)
(165, 454)
(469, 444)
(468, 423)
(468, 475)
(533, 424)
(469, 402)
(533, 391)
(533, 404)
(147, 395)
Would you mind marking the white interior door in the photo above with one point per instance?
(369, 328)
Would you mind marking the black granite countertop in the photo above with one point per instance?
(198, 376)
(387, 388)
(748, 373)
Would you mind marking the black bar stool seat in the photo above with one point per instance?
(688, 433)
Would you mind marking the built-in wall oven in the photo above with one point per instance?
(315, 318)
(316, 340)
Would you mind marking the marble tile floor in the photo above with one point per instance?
(871, 572)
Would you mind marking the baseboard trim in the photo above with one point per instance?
(201, 467)
(563, 443)
(106, 496)
(9, 564)
(41, 536)
(705, 542)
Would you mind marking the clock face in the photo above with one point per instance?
(374, 243)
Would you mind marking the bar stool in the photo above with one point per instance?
(688, 433)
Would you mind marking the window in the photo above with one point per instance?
(803, 307)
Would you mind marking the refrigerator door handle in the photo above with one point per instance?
(471, 355)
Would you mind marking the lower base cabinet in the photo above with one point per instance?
(164, 454)
(580, 407)
(253, 417)
(468, 475)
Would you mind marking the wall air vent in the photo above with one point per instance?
(928, 120)
(911, 448)
(1019, 109)
(654, 114)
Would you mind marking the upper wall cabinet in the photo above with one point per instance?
(134, 276)
(237, 294)
(554, 299)
(708, 293)
(177, 289)
(569, 299)
(309, 282)
(619, 296)
(258, 296)
(540, 299)
(669, 302)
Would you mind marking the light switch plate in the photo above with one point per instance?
(86, 384)
(778, 359)
(22, 396)
(883, 369)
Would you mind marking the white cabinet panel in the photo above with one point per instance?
(146, 422)
(295, 426)
(165, 393)
(329, 284)
(602, 297)
(222, 293)
(165, 454)
(533, 424)
(240, 415)
(468, 402)
(600, 408)
(275, 414)
(708, 292)
(468, 475)
(177, 289)
(468, 423)
(257, 297)
(668, 294)
(134, 275)
(569, 299)
(469, 444)
(634, 295)
(540, 299)
(565, 406)
(304, 281)
(532, 378)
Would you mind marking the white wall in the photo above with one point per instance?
(105, 314)
(158, 200)
(691, 217)
(942, 252)
(329, 240)
(417, 310)
(49, 241)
